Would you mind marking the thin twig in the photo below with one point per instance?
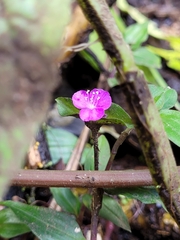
(77, 152)
(118, 142)
(79, 47)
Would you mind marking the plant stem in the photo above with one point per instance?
(94, 129)
(96, 204)
(97, 193)
(118, 142)
(96, 149)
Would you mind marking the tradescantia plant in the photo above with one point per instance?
(95, 106)
(92, 105)
(164, 98)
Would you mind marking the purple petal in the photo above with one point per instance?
(80, 99)
(92, 103)
(91, 114)
(100, 98)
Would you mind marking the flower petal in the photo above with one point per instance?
(80, 99)
(87, 114)
(92, 103)
(100, 98)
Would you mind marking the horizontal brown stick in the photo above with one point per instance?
(88, 179)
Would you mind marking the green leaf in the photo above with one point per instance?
(46, 223)
(172, 56)
(174, 42)
(171, 121)
(10, 225)
(148, 74)
(169, 97)
(146, 195)
(174, 64)
(118, 20)
(136, 34)
(111, 210)
(167, 54)
(66, 107)
(67, 200)
(85, 152)
(153, 76)
(135, 14)
(115, 114)
(89, 160)
(97, 47)
(90, 59)
(144, 57)
(112, 82)
(164, 98)
(61, 144)
(104, 154)
(155, 90)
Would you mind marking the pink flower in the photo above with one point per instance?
(92, 104)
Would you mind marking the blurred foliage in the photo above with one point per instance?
(26, 73)
(147, 58)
